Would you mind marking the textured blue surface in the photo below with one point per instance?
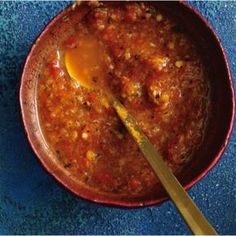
(31, 202)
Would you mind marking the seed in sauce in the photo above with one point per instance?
(179, 63)
(159, 18)
(85, 135)
(91, 156)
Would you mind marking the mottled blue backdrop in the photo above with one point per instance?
(31, 202)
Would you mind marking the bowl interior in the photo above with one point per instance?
(220, 117)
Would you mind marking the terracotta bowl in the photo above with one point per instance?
(220, 120)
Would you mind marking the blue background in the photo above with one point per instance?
(31, 202)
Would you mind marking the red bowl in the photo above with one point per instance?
(221, 116)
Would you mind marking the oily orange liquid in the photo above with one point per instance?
(85, 62)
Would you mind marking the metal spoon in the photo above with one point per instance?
(185, 205)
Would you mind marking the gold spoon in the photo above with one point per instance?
(88, 55)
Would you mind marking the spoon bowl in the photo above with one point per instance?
(84, 64)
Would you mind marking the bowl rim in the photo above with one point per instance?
(121, 203)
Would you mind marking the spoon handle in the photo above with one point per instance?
(185, 205)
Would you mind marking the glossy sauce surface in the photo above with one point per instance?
(149, 62)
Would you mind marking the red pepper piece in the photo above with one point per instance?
(70, 42)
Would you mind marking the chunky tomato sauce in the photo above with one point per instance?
(153, 67)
